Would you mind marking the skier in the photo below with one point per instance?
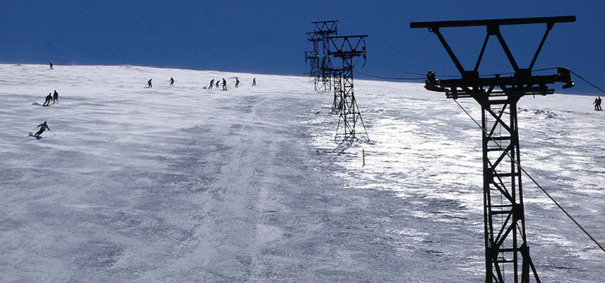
(599, 104)
(254, 82)
(51, 65)
(42, 127)
(217, 82)
(236, 82)
(48, 99)
(171, 81)
(55, 97)
(211, 84)
(224, 84)
(149, 83)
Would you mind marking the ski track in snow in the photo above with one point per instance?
(184, 183)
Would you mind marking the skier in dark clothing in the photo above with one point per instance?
(217, 82)
(599, 104)
(224, 84)
(55, 97)
(48, 99)
(236, 82)
(42, 127)
(171, 81)
(51, 65)
(254, 82)
(211, 84)
(149, 83)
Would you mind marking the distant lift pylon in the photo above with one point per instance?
(506, 249)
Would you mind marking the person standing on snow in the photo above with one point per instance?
(42, 127)
(236, 82)
(171, 81)
(48, 99)
(224, 84)
(55, 97)
(211, 84)
(149, 85)
(254, 82)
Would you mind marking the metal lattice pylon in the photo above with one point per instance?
(347, 48)
(323, 30)
(506, 251)
(313, 56)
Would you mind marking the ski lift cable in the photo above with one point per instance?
(398, 70)
(388, 78)
(535, 182)
(412, 73)
(603, 91)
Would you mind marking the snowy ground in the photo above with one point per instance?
(184, 183)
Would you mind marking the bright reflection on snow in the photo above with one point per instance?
(425, 150)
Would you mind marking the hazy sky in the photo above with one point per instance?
(269, 36)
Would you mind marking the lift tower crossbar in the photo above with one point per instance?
(347, 48)
(506, 249)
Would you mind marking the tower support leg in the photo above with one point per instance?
(506, 250)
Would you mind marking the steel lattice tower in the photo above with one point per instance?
(506, 251)
(313, 56)
(323, 30)
(347, 48)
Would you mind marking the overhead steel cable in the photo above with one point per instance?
(603, 91)
(388, 78)
(535, 182)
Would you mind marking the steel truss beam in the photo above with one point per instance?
(347, 48)
(506, 249)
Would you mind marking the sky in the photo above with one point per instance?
(270, 36)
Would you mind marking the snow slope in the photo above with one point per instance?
(184, 183)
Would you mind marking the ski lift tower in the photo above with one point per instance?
(313, 56)
(347, 48)
(506, 249)
(324, 29)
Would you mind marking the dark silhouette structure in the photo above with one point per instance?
(346, 48)
(321, 64)
(506, 250)
(312, 57)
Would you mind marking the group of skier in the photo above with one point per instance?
(51, 97)
(54, 97)
(223, 83)
(597, 104)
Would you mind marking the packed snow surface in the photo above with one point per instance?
(186, 183)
